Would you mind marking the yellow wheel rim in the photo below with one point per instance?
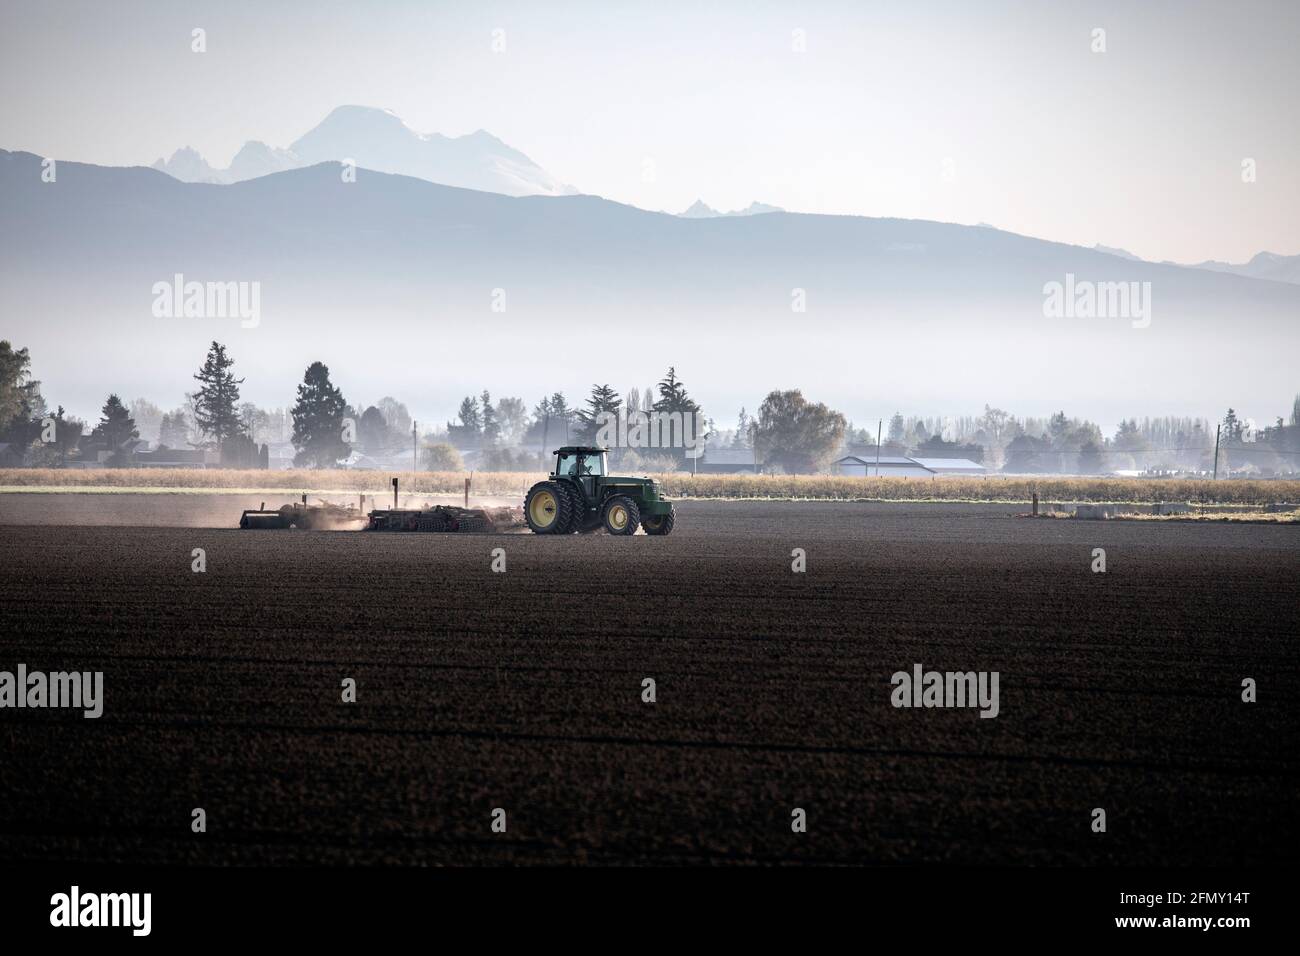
(543, 509)
(618, 517)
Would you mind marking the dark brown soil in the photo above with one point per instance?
(522, 690)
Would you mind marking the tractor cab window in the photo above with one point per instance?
(580, 466)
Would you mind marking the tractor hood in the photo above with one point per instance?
(647, 489)
(628, 480)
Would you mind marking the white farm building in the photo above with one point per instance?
(862, 466)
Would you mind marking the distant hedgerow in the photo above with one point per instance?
(679, 485)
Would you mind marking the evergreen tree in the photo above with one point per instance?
(542, 415)
(115, 429)
(673, 397)
(469, 432)
(743, 426)
(561, 415)
(897, 428)
(603, 401)
(491, 429)
(1059, 428)
(216, 403)
(67, 438)
(174, 430)
(470, 419)
(318, 420)
(1129, 438)
(1233, 427)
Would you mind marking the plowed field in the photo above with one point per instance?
(523, 690)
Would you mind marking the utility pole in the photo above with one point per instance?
(879, 423)
(415, 448)
(1217, 429)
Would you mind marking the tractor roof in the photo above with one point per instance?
(580, 450)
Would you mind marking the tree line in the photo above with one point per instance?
(788, 432)
(213, 419)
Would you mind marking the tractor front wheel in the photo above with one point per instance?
(659, 524)
(621, 515)
(546, 509)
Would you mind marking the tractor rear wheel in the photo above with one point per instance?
(547, 509)
(621, 515)
(577, 507)
(584, 522)
(659, 524)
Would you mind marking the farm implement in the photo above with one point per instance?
(446, 518)
(332, 517)
(324, 516)
(577, 497)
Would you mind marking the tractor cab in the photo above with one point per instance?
(583, 465)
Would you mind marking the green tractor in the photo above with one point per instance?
(580, 496)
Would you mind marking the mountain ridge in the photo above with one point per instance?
(380, 140)
(410, 272)
(702, 210)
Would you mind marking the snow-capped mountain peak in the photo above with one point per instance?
(378, 139)
(700, 210)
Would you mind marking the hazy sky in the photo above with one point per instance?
(955, 111)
